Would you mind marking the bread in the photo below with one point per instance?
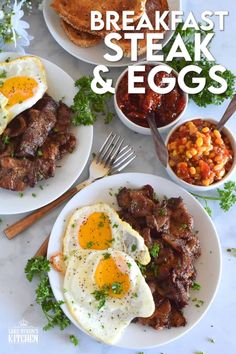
(81, 39)
(150, 8)
(78, 12)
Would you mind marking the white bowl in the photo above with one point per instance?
(196, 188)
(135, 127)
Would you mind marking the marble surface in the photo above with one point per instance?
(17, 294)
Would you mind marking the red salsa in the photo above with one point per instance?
(167, 107)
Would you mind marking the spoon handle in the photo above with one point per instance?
(161, 149)
(228, 113)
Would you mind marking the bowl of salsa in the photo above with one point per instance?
(133, 108)
(200, 156)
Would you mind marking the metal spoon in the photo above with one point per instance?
(228, 113)
(159, 144)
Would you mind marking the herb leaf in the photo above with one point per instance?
(39, 266)
(154, 251)
(87, 103)
(204, 97)
(226, 197)
(74, 340)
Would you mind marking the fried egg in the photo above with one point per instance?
(22, 84)
(99, 227)
(104, 291)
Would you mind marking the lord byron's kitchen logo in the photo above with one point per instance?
(23, 333)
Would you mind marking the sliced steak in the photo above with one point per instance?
(181, 222)
(16, 174)
(39, 125)
(64, 117)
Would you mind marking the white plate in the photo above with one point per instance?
(92, 55)
(60, 84)
(208, 265)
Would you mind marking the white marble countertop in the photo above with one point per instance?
(17, 294)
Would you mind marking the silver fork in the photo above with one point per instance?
(112, 158)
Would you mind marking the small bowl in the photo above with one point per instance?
(135, 127)
(196, 188)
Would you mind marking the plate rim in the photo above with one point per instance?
(90, 132)
(217, 239)
(54, 34)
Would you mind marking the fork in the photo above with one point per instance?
(112, 158)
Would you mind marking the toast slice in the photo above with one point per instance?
(77, 12)
(150, 8)
(81, 39)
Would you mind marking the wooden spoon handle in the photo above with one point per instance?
(30, 219)
(42, 251)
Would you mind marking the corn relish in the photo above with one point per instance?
(198, 153)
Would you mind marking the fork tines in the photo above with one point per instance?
(114, 154)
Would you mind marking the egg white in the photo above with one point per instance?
(107, 323)
(125, 238)
(4, 115)
(28, 66)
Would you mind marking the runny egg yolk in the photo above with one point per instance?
(95, 233)
(18, 89)
(112, 278)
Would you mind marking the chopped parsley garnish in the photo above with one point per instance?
(116, 288)
(226, 197)
(90, 244)
(39, 153)
(101, 296)
(3, 74)
(196, 286)
(74, 340)
(115, 225)
(232, 251)
(154, 251)
(133, 248)
(204, 97)
(40, 266)
(162, 212)
(34, 195)
(154, 268)
(183, 227)
(21, 194)
(106, 255)
(211, 340)
(142, 267)
(5, 139)
(129, 264)
(197, 302)
(87, 104)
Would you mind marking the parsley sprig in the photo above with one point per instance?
(87, 104)
(226, 197)
(40, 266)
(204, 97)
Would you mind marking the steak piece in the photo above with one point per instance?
(176, 318)
(46, 103)
(64, 117)
(16, 174)
(174, 291)
(160, 317)
(181, 222)
(39, 125)
(17, 126)
(138, 203)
